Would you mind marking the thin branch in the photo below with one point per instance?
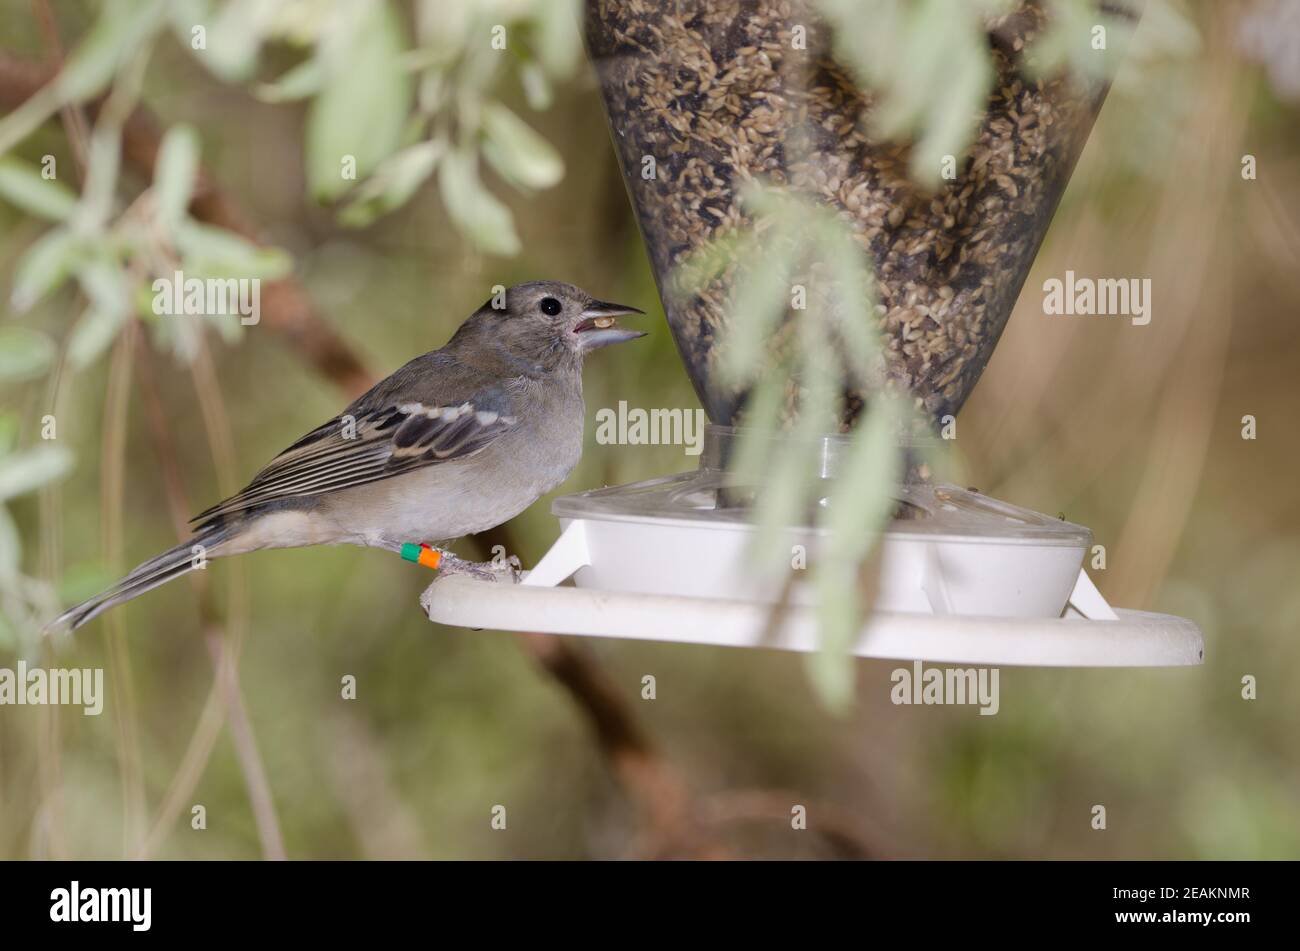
(112, 491)
(225, 700)
(217, 426)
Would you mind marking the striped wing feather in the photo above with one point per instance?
(376, 444)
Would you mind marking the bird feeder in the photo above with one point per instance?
(709, 95)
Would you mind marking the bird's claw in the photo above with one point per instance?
(507, 569)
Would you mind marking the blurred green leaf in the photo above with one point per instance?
(1067, 42)
(393, 183)
(854, 314)
(475, 210)
(23, 186)
(839, 615)
(21, 472)
(517, 152)
(234, 38)
(712, 260)
(762, 295)
(175, 172)
(24, 353)
(862, 499)
(927, 62)
(11, 547)
(92, 335)
(215, 252)
(362, 108)
(8, 429)
(104, 282)
(45, 265)
(303, 80)
(558, 41)
(762, 413)
(537, 88)
(122, 26)
(780, 504)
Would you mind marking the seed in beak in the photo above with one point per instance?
(604, 322)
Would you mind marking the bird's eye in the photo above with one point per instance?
(550, 306)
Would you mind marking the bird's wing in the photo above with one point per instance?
(375, 439)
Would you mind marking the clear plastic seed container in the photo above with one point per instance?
(706, 96)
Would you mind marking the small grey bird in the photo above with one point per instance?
(455, 442)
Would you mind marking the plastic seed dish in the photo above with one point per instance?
(964, 578)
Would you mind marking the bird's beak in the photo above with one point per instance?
(596, 327)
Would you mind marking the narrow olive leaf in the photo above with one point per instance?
(443, 25)
(235, 37)
(781, 504)
(475, 211)
(100, 190)
(303, 80)
(537, 88)
(23, 186)
(954, 113)
(108, 289)
(854, 315)
(860, 504)
(703, 265)
(106, 285)
(392, 185)
(927, 64)
(174, 174)
(357, 120)
(519, 154)
(24, 353)
(761, 418)
(46, 265)
(819, 377)
(559, 43)
(760, 299)
(1066, 44)
(214, 252)
(839, 616)
(862, 500)
(11, 549)
(9, 420)
(123, 25)
(92, 335)
(21, 472)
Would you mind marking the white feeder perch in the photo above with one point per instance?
(964, 579)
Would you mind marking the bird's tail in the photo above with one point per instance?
(171, 564)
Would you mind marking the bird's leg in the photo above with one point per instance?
(496, 570)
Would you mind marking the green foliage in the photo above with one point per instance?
(23, 187)
(24, 353)
(797, 243)
(362, 105)
(175, 174)
(27, 470)
(386, 114)
(928, 62)
(476, 211)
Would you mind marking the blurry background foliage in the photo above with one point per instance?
(475, 166)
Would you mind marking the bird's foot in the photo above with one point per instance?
(505, 569)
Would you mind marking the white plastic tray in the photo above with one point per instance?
(1133, 639)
